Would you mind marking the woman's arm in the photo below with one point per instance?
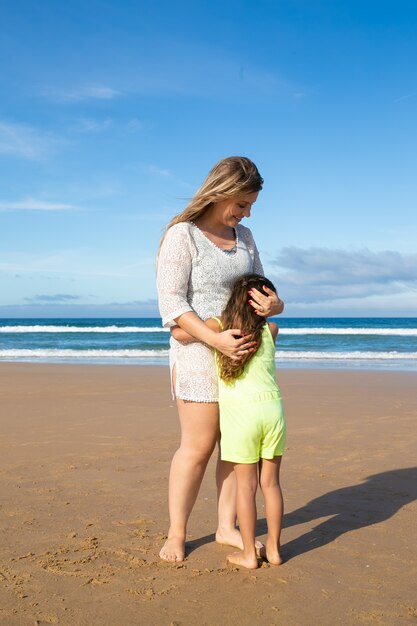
(229, 342)
(265, 304)
(173, 274)
(181, 335)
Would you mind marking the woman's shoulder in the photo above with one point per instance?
(244, 230)
(245, 234)
(178, 232)
(179, 227)
(178, 239)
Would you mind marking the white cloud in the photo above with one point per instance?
(90, 125)
(86, 92)
(24, 141)
(30, 204)
(184, 73)
(70, 264)
(135, 125)
(161, 172)
(52, 298)
(321, 274)
(93, 125)
(99, 91)
(406, 97)
(66, 308)
(162, 218)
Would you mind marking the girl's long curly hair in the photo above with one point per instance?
(238, 313)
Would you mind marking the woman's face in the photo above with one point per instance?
(231, 211)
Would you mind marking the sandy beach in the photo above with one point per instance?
(85, 454)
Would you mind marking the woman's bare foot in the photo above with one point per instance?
(239, 559)
(272, 554)
(173, 550)
(234, 538)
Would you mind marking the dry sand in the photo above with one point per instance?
(85, 453)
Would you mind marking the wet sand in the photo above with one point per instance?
(85, 452)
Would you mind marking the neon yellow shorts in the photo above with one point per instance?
(252, 428)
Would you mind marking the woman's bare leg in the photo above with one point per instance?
(247, 482)
(274, 506)
(199, 432)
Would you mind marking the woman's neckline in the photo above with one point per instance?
(214, 244)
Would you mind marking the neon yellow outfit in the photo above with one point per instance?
(252, 421)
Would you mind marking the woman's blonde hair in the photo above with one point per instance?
(230, 177)
(238, 313)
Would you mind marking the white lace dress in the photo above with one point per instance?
(196, 275)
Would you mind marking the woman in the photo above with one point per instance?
(204, 249)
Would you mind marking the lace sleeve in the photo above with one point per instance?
(173, 273)
(253, 250)
(257, 265)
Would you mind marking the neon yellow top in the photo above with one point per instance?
(258, 375)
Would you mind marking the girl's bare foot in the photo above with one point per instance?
(233, 538)
(239, 559)
(173, 550)
(272, 554)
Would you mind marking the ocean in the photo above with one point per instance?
(345, 343)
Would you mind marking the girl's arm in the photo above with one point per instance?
(274, 330)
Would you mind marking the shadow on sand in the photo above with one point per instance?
(374, 500)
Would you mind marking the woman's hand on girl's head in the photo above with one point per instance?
(232, 344)
(266, 304)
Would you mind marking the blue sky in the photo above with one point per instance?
(112, 113)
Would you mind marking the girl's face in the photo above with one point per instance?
(231, 211)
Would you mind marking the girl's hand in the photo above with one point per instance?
(265, 304)
(232, 346)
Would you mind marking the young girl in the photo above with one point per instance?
(252, 422)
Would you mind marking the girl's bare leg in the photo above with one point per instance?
(227, 533)
(247, 482)
(274, 506)
(199, 432)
